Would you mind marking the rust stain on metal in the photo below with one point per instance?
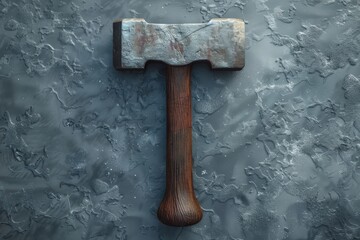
(139, 39)
(144, 37)
(177, 46)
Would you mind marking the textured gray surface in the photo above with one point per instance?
(276, 146)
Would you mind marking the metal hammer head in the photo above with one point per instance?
(220, 42)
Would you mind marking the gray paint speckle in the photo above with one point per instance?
(276, 146)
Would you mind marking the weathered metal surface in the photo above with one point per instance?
(220, 41)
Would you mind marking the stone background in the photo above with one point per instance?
(276, 146)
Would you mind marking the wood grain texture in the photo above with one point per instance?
(179, 206)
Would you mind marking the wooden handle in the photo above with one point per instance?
(179, 206)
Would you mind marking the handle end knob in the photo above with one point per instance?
(180, 212)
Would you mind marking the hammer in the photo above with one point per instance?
(221, 43)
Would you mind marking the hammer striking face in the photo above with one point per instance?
(220, 42)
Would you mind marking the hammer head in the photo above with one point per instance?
(220, 42)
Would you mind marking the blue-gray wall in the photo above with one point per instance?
(276, 146)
